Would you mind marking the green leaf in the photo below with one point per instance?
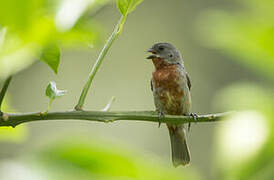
(52, 92)
(80, 159)
(32, 25)
(127, 6)
(51, 56)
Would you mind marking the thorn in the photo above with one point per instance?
(108, 121)
(108, 106)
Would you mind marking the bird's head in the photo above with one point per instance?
(165, 52)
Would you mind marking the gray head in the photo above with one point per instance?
(166, 52)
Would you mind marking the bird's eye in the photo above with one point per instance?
(170, 55)
(161, 48)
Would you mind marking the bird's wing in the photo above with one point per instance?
(188, 81)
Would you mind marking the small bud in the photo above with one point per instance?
(5, 116)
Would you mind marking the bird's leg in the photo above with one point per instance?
(194, 116)
(160, 116)
(188, 127)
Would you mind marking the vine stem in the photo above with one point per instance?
(10, 119)
(116, 32)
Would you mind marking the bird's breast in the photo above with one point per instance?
(168, 89)
(167, 78)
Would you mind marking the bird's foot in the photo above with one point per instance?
(195, 116)
(160, 116)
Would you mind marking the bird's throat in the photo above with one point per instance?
(159, 63)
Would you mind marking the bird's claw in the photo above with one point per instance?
(160, 116)
(194, 116)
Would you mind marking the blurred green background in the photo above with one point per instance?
(228, 50)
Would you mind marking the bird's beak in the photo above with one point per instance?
(151, 50)
(154, 55)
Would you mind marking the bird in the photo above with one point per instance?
(171, 86)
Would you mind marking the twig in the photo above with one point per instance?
(150, 116)
(4, 90)
(98, 62)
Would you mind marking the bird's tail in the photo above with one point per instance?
(180, 152)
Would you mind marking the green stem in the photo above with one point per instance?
(4, 90)
(117, 30)
(100, 116)
(49, 106)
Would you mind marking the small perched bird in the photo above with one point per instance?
(171, 90)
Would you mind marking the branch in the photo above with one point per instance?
(4, 90)
(99, 61)
(151, 116)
